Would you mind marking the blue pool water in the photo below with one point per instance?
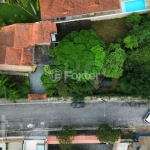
(133, 5)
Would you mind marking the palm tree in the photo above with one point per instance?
(13, 95)
(3, 86)
(7, 89)
(22, 4)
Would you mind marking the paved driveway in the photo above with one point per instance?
(35, 81)
(56, 115)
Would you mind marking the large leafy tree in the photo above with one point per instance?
(106, 134)
(65, 137)
(78, 90)
(136, 79)
(113, 65)
(79, 52)
(67, 88)
(133, 19)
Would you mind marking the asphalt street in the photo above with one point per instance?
(24, 116)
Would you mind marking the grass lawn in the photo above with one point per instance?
(14, 14)
(110, 30)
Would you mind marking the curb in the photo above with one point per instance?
(69, 102)
(88, 100)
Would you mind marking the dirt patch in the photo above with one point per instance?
(110, 30)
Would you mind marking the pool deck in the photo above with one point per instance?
(148, 4)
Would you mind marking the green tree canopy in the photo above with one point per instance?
(80, 52)
(133, 19)
(65, 137)
(113, 65)
(135, 81)
(106, 134)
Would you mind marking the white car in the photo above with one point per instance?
(147, 117)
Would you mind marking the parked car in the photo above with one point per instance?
(78, 104)
(147, 117)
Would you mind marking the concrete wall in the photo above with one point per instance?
(119, 15)
(105, 17)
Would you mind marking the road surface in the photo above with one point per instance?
(23, 116)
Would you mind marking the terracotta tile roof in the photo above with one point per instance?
(13, 56)
(27, 58)
(6, 32)
(2, 54)
(61, 8)
(16, 40)
(23, 35)
(77, 139)
(37, 97)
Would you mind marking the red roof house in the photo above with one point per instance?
(17, 39)
(61, 8)
(77, 139)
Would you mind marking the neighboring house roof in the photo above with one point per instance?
(61, 8)
(77, 139)
(16, 41)
(31, 144)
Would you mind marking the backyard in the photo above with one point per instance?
(110, 30)
(119, 49)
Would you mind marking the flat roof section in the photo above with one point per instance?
(41, 57)
(34, 145)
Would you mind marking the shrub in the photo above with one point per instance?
(124, 86)
(131, 42)
(65, 137)
(106, 134)
(148, 17)
(133, 19)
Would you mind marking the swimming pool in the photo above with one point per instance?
(133, 5)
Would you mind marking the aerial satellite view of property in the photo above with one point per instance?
(74, 74)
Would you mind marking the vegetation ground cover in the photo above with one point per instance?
(110, 30)
(14, 14)
(126, 59)
(14, 87)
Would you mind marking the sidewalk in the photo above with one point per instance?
(60, 100)
(143, 129)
